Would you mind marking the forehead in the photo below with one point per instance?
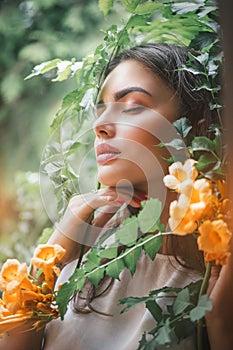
(130, 73)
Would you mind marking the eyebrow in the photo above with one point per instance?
(118, 95)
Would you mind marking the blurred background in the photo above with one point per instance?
(32, 32)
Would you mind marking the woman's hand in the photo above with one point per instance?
(79, 226)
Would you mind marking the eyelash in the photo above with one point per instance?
(134, 109)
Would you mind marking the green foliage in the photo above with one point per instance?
(177, 319)
(92, 268)
(31, 219)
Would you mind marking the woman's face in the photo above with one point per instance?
(135, 115)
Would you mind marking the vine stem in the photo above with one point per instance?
(202, 291)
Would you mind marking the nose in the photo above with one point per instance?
(103, 127)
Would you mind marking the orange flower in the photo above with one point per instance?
(181, 176)
(12, 275)
(214, 240)
(187, 211)
(201, 199)
(180, 220)
(46, 257)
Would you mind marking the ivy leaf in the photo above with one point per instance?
(63, 70)
(96, 275)
(202, 143)
(164, 333)
(128, 234)
(63, 297)
(132, 258)
(148, 217)
(145, 344)
(105, 6)
(44, 68)
(93, 260)
(182, 302)
(203, 39)
(68, 289)
(132, 301)
(130, 5)
(155, 310)
(110, 252)
(178, 144)
(184, 328)
(147, 8)
(204, 304)
(183, 126)
(114, 268)
(185, 7)
(206, 162)
(137, 20)
(152, 246)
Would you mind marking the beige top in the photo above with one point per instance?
(93, 331)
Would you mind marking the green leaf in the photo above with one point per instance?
(155, 310)
(147, 8)
(164, 333)
(93, 260)
(185, 7)
(132, 301)
(132, 258)
(202, 143)
(206, 162)
(130, 5)
(148, 217)
(137, 20)
(152, 247)
(43, 68)
(76, 282)
(203, 39)
(105, 6)
(184, 328)
(63, 70)
(114, 268)
(96, 275)
(110, 252)
(183, 126)
(204, 304)
(178, 144)
(63, 297)
(182, 302)
(128, 234)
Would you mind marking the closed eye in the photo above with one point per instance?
(133, 110)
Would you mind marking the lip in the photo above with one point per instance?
(106, 153)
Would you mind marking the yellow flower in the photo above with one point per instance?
(46, 257)
(201, 199)
(181, 176)
(187, 211)
(13, 301)
(12, 275)
(214, 240)
(180, 220)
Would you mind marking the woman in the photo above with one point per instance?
(145, 90)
